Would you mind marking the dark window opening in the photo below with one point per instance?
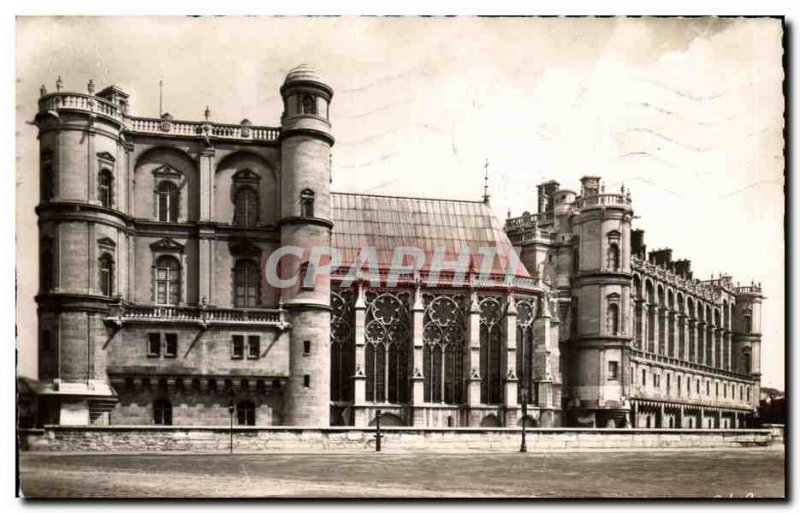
(46, 264)
(307, 203)
(307, 381)
(309, 104)
(237, 347)
(162, 413)
(254, 347)
(246, 413)
(171, 345)
(306, 347)
(154, 345)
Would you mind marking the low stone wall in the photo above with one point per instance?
(395, 439)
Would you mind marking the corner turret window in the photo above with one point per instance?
(246, 207)
(46, 264)
(46, 188)
(612, 320)
(106, 275)
(105, 184)
(162, 412)
(168, 280)
(307, 203)
(613, 257)
(308, 104)
(246, 279)
(747, 324)
(168, 202)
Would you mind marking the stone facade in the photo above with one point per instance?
(154, 307)
(288, 440)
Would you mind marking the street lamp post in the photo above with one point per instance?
(523, 446)
(231, 408)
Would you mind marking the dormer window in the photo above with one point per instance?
(307, 203)
(308, 105)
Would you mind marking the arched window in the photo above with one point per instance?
(491, 350)
(307, 203)
(162, 412)
(246, 278)
(309, 104)
(168, 202)
(444, 331)
(612, 319)
(526, 312)
(246, 207)
(387, 336)
(168, 280)
(105, 187)
(245, 413)
(613, 257)
(106, 275)
(342, 345)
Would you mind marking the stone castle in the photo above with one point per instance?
(153, 307)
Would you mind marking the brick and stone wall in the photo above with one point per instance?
(396, 439)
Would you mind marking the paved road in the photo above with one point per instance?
(730, 473)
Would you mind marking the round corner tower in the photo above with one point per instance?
(83, 247)
(306, 143)
(601, 289)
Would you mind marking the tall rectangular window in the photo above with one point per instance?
(253, 347)
(306, 347)
(170, 345)
(237, 347)
(154, 345)
(613, 371)
(307, 381)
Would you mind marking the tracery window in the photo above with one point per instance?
(526, 313)
(168, 280)
(491, 350)
(342, 344)
(162, 412)
(245, 413)
(245, 207)
(443, 336)
(105, 187)
(387, 333)
(106, 274)
(168, 196)
(245, 282)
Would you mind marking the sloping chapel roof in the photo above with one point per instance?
(386, 222)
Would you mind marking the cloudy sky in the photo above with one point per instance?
(687, 113)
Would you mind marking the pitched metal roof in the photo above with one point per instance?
(387, 222)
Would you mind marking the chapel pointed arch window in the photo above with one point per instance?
(387, 335)
(526, 313)
(491, 350)
(444, 331)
